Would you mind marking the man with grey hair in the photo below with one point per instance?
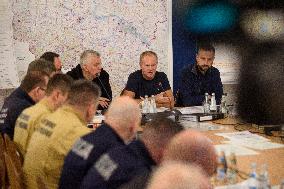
(179, 175)
(90, 68)
(117, 130)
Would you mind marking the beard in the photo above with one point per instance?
(203, 68)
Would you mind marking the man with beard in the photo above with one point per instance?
(200, 78)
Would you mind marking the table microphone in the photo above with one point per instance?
(98, 76)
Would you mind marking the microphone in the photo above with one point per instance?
(98, 76)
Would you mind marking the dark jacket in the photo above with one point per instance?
(194, 85)
(12, 108)
(102, 81)
(84, 153)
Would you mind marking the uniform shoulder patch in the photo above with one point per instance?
(82, 148)
(105, 166)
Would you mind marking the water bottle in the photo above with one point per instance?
(232, 169)
(146, 103)
(206, 105)
(253, 182)
(221, 169)
(264, 178)
(153, 108)
(224, 105)
(213, 106)
(282, 184)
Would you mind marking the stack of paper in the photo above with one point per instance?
(247, 139)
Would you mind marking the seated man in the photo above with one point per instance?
(187, 146)
(121, 164)
(200, 78)
(31, 90)
(148, 81)
(90, 68)
(57, 133)
(119, 128)
(53, 57)
(56, 93)
(179, 175)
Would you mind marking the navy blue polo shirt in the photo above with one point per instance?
(141, 87)
(85, 152)
(194, 85)
(118, 166)
(12, 108)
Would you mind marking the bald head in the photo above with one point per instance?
(179, 175)
(193, 147)
(124, 116)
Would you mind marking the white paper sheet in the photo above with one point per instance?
(191, 110)
(237, 149)
(244, 136)
(259, 145)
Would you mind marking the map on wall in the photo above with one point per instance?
(120, 30)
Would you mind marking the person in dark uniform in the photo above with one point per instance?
(148, 81)
(200, 78)
(90, 68)
(53, 57)
(122, 163)
(117, 130)
(31, 90)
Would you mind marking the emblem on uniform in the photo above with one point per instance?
(105, 166)
(82, 148)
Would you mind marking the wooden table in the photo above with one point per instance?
(274, 158)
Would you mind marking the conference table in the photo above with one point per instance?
(274, 158)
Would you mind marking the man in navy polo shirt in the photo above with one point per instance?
(200, 78)
(148, 81)
(120, 164)
(120, 126)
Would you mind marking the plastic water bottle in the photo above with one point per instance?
(152, 108)
(213, 106)
(232, 169)
(206, 105)
(222, 168)
(224, 105)
(264, 178)
(282, 184)
(146, 104)
(253, 182)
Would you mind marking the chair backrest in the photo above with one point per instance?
(2, 163)
(13, 151)
(14, 174)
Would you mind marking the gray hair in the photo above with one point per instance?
(86, 54)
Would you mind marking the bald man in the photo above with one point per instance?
(193, 147)
(187, 146)
(120, 126)
(179, 175)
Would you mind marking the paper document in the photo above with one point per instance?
(200, 126)
(244, 136)
(232, 148)
(259, 145)
(191, 110)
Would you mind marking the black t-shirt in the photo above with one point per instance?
(141, 87)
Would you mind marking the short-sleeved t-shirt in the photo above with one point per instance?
(140, 86)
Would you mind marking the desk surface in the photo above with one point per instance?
(274, 158)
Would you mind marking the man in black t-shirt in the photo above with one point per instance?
(148, 81)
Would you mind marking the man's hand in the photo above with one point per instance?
(104, 102)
